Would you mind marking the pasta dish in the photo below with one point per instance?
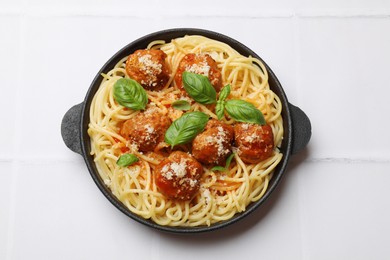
(186, 132)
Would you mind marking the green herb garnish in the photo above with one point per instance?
(243, 111)
(220, 107)
(227, 164)
(199, 88)
(185, 128)
(129, 93)
(181, 105)
(127, 159)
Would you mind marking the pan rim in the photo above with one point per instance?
(143, 41)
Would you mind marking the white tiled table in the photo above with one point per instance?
(333, 60)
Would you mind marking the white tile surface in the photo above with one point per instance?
(71, 215)
(261, 234)
(7, 172)
(64, 73)
(343, 83)
(344, 7)
(219, 8)
(9, 71)
(345, 207)
(332, 203)
(68, 218)
(271, 38)
(165, 8)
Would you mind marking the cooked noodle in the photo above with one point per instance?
(222, 194)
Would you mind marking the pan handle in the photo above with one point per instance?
(70, 128)
(71, 122)
(301, 127)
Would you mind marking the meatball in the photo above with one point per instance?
(177, 177)
(146, 130)
(200, 64)
(148, 67)
(255, 143)
(214, 144)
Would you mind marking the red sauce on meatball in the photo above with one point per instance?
(177, 177)
(148, 67)
(146, 130)
(255, 143)
(214, 144)
(200, 64)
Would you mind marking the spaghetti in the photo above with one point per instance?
(221, 194)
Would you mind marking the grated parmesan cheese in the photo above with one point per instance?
(179, 169)
(209, 139)
(152, 108)
(220, 138)
(245, 126)
(133, 147)
(251, 138)
(167, 175)
(201, 68)
(149, 128)
(150, 67)
(193, 182)
(207, 195)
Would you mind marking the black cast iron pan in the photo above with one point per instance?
(297, 127)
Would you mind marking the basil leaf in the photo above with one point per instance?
(218, 168)
(219, 109)
(227, 164)
(181, 105)
(185, 128)
(127, 159)
(199, 88)
(243, 111)
(129, 93)
(225, 92)
(229, 160)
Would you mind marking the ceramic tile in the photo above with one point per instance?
(11, 6)
(62, 56)
(206, 8)
(203, 7)
(6, 180)
(63, 69)
(9, 67)
(61, 214)
(166, 8)
(344, 211)
(272, 39)
(343, 86)
(345, 7)
(69, 209)
(263, 233)
(332, 203)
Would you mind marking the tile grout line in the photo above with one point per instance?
(347, 160)
(17, 142)
(297, 63)
(48, 11)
